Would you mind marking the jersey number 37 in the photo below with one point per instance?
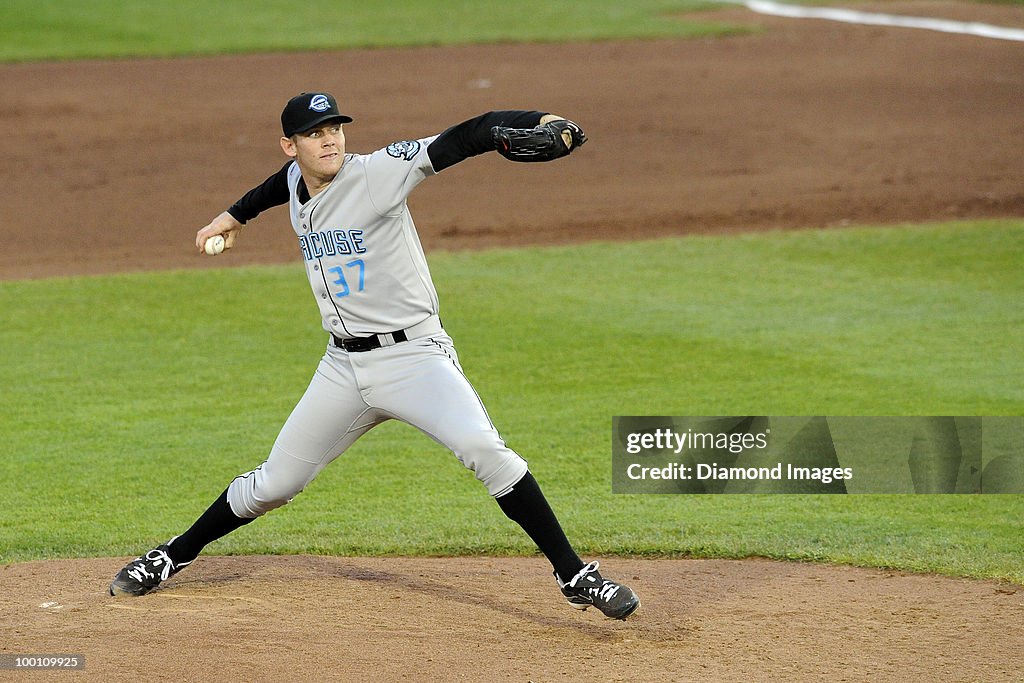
(342, 282)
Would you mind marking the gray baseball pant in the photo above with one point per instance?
(419, 382)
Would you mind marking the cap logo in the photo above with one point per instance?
(319, 103)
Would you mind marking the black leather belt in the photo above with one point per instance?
(360, 344)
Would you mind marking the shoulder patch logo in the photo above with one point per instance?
(406, 149)
(319, 103)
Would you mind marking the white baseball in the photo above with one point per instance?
(214, 245)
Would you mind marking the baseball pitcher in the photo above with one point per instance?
(388, 356)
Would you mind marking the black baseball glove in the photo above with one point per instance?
(543, 143)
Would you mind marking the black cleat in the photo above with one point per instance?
(143, 574)
(590, 588)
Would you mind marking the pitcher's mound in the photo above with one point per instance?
(303, 618)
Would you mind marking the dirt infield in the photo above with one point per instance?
(482, 619)
(113, 165)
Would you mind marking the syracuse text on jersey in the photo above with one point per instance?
(331, 243)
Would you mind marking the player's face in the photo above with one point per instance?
(319, 151)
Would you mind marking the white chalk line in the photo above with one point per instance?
(847, 16)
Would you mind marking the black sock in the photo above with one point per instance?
(217, 521)
(526, 506)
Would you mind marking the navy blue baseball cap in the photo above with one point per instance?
(309, 110)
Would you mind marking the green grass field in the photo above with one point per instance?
(68, 29)
(75, 29)
(130, 401)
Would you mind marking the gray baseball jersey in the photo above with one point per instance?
(362, 253)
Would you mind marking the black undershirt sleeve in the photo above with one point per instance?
(270, 193)
(473, 137)
(456, 144)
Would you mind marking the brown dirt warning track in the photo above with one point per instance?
(112, 166)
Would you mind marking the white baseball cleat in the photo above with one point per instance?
(144, 573)
(588, 588)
